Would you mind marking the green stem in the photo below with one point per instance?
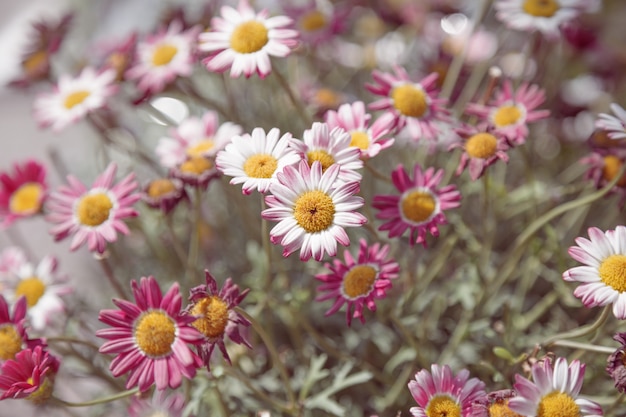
(584, 346)
(98, 400)
(581, 331)
(108, 272)
(194, 244)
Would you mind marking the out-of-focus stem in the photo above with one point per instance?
(581, 331)
(97, 401)
(292, 97)
(108, 272)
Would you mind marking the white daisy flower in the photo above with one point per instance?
(615, 126)
(545, 16)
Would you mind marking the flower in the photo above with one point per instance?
(420, 205)
(604, 166)
(243, 41)
(23, 192)
(119, 54)
(162, 57)
(30, 375)
(615, 125)
(358, 282)
(73, 98)
(553, 392)
(196, 171)
(317, 24)
(13, 337)
(158, 405)
(440, 393)
(254, 160)
(353, 119)
(415, 106)
(164, 193)
(312, 211)
(195, 137)
(11, 258)
(150, 337)
(546, 16)
(616, 364)
(603, 275)
(482, 148)
(495, 404)
(509, 111)
(215, 317)
(330, 147)
(93, 215)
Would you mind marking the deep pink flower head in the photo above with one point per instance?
(13, 336)
(22, 192)
(30, 375)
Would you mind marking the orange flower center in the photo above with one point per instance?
(612, 166)
(213, 316)
(160, 187)
(33, 64)
(314, 211)
(196, 165)
(200, 148)
(612, 272)
(94, 209)
(506, 116)
(359, 281)
(249, 37)
(443, 406)
(541, 8)
(481, 145)
(10, 341)
(26, 199)
(154, 333)
(261, 165)
(32, 288)
(418, 206)
(410, 100)
(501, 409)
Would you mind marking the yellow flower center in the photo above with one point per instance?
(213, 313)
(32, 288)
(506, 116)
(94, 209)
(443, 406)
(261, 165)
(43, 393)
(34, 62)
(359, 281)
(10, 341)
(249, 37)
(558, 404)
(612, 272)
(360, 139)
(75, 98)
(322, 156)
(481, 145)
(418, 206)
(160, 187)
(200, 148)
(155, 332)
(313, 21)
(26, 199)
(541, 8)
(163, 54)
(612, 166)
(501, 409)
(326, 97)
(409, 100)
(314, 211)
(196, 165)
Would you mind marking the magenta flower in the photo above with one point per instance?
(481, 149)
(22, 192)
(13, 336)
(30, 375)
(164, 193)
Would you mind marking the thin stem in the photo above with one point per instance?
(258, 393)
(581, 331)
(108, 272)
(583, 346)
(178, 247)
(376, 173)
(267, 247)
(615, 404)
(63, 339)
(292, 97)
(194, 244)
(97, 401)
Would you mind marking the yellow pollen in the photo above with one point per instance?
(558, 404)
(443, 406)
(481, 145)
(163, 54)
(75, 98)
(154, 333)
(32, 288)
(43, 393)
(326, 97)
(196, 165)
(418, 206)
(249, 37)
(160, 187)
(360, 139)
(541, 8)
(314, 211)
(261, 165)
(313, 21)
(501, 409)
(409, 100)
(359, 281)
(506, 116)
(94, 209)
(26, 199)
(612, 166)
(35, 62)
(213, 312)
(200, 148)
(10, 341)
(322, 156)
(612, 272)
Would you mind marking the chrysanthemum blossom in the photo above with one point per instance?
(215, 317)
(604, 167)
(196, 171)
(93, 215)
(482, 147)
(510, 111)
(440, 393)
(415, 105)
(255, 160)
(160, 404)
(13, 337)
(73, 98)
(329, 147)
(30, 375)
(150, 337)
(318, 22)
(353, 119)
(22, 192)
(603, 276)
(545, 16)
(162, 57)
(358, 282)
(420, 205)
(553, 391)
(614, 125)
(195, 137)
(244, 40)
(616, 363)
(164, 193)
(312, 210)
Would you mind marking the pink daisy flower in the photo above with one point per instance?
(614, 125)
(358, 282)
(73, 98)
(420, 206)
(604, 166)
(164, 193)
(30, 375)
(329, 147)
(196, 137)
(244, 40)
(603, 275)
(215, 317)
(13, 336)
(93, 215)
(509, 112)
(415, 105)
(312, 210)
(353, 119)
(158, 405)
(317, 23)
(150, 337)
(162, 57)
(481, 149)
(22, 192)
(554, 391)
(440, 393)
(256, 159)
(196, 171)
